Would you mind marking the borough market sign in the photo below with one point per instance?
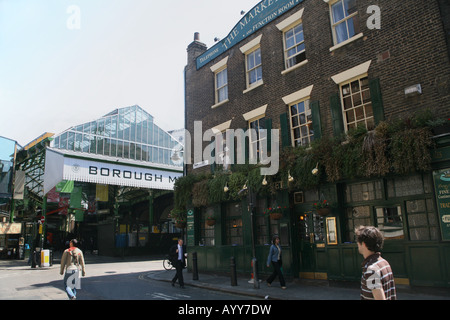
(261, 14)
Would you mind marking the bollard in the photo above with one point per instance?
(233, 272)
(33, 260)
(255, 273)
(194, 266)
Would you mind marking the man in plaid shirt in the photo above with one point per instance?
(377, 281)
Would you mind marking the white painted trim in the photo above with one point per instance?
(219, 64)
(298, 95)
(358, 71)
(256, 113)
(343, 43)
(249, 46)
(221, 127)
(286, 23)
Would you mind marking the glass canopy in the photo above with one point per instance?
(128, 133)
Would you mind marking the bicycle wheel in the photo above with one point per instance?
(167, 264)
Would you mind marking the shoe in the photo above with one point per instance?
(173, 284)
(269, 284)
(283, 288)
(73, 298)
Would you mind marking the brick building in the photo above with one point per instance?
(318, 70)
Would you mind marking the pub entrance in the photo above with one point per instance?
(311, 240)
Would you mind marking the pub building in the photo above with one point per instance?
(107, 182)
(362, 107)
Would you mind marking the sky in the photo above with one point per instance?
(67, 62)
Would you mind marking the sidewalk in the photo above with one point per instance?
(296, 289)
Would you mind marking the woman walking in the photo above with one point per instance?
(275, 257)
(73, 262)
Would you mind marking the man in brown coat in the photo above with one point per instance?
(72, 262)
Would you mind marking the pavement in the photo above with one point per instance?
(297, 289)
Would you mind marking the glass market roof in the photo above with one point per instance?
(127, 133)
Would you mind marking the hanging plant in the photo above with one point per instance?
(210, 221)
(200, 194)
(322, 207)
(275, 212)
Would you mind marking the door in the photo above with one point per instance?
(311, 237)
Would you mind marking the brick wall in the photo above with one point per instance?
(410, 48)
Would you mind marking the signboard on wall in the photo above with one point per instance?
(259, 16)
(10, 228)
(442, 187)
(190, 228)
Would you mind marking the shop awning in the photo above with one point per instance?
(76, 166)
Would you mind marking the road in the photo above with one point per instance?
(113, 280)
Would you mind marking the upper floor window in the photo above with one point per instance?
(254, 67)
(344, 20)
(294, 46)
(253, 63)
(302, 132)
(357, 104)
(220, 71)
(257, 137)
(221, 86)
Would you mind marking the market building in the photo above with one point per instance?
(354, 95)
(10, 232)
(107, 182)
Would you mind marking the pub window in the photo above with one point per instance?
(422, 220)
(365, 191)
(390, 222)
(206, 231)
(355, 217)
(344, 20)
(233, 224)
(294, 46)
(258, 136)
(357, 104)
(254, 67)
(221, 86)
(302, 132)
(261, 223)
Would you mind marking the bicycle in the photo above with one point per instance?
(167, 264)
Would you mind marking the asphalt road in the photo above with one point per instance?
(103, 281)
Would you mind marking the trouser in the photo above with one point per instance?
(179, 275)
(72, 282)
(277, 272)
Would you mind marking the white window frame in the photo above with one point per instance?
(218, 68)
(347, 77)
(247, 50)
(344, 20)
(285, 26)
(261, 137)
(308, 123)
(367, 119)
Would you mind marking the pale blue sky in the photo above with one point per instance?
(126, 52)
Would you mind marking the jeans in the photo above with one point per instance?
(277, 272)
(71, 283)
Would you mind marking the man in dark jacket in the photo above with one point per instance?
(178, 255)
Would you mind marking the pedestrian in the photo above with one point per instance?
(72, 262)
(377, 280)
(275, 257)
(177, 256)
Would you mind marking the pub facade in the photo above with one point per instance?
(352, 104)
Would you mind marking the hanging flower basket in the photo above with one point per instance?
(323, 212)
(322, 208)
(210, 221)
(180, 224)
(276, 215)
